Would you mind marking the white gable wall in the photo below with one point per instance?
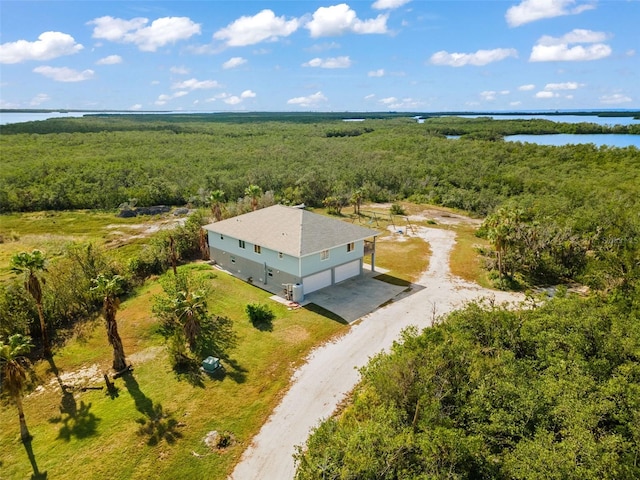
(231, 246)
(337, 256)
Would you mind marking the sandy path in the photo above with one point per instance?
(331, 370)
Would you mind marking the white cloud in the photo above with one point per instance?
(264, 26)
(235, 99)
(323, 47)
(532, 10)
(164, 98)
(388, 100)
(370, 96)
(162, 31)
(309, 101)
(219, 96)
(492, 94)
(195, 84)
(64, 74)
(515, 104)
(110, 60)
(39, 99)
(630, 53)
(394, 103)
(555, 49)
(615, 98)
(49, 45)
(577, 35)
(563, 86)
(524, 88)
(333, 62)
(388, 4)
(234, 62)
(558, 53)
(547, 94)
(551, 89)
(115, 29)
(179, 70)
(137, 106)
(376, 73)
(340, 19)
(479, 58)
(232, 100)
(5, 104)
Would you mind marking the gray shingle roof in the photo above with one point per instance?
(289, 230)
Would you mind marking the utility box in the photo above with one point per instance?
(298, 293)
(211, 364)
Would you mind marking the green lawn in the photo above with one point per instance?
(91, 435)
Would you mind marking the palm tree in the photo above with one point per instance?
(254, 192)
(216, 200)
(31, 265)
(357, 197)
(109, 289)
(500, 226)
(14, 368)
(190, 308)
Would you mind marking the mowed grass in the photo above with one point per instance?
(405, 257)
(156, 425)
(465, 260)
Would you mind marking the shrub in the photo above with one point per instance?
(260, 315)
(397, 209)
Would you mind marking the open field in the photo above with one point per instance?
(52, 231)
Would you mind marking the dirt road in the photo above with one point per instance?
(331, 370)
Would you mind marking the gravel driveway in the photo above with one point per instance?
(331, 370)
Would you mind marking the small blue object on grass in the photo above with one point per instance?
(211, 364)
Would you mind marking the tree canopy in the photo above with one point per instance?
(549, 392)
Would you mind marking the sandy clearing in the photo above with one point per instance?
(331, 371)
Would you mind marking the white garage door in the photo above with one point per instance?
(316, 281)
(347, 270)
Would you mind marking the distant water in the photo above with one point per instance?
(598, 139)
(609, 121)
(11, 117)
(15, 117)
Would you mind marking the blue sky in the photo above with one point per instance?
(299, 55)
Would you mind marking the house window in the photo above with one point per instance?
(270, 272)
(233, 259)
(324, 255)
(350, 247)
(257, 249)
(241, 243)
(280, 255)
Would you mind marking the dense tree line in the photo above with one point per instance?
(169, 162)
(547, 392)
